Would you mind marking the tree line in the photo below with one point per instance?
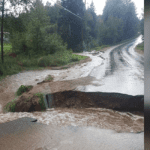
(48, 29)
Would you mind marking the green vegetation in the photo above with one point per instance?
(140, 46)
(45, 36)
(10, 107)
(41, 100)
(100, 47)
(49, 78)
(7, 48)
(37, 62)
(23, 89)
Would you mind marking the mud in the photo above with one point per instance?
(22, 134)
(116, 101)
(79, 78)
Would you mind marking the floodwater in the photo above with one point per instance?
(36, 136)
(122, 71)
(98, 117)
(126, 77)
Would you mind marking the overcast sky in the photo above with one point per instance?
(100, 4)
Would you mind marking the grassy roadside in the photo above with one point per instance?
(100, 47)
(14, 65)
(140, 46)
(7, 48)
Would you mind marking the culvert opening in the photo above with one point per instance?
(77, 99)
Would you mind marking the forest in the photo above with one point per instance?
(66, 27)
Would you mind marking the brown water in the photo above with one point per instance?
(102, 118)
(22, 134)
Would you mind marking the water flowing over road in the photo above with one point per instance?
(119, 69)
(122, 71)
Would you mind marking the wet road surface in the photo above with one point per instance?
(124, 76)
(22, 134)
(122, 71)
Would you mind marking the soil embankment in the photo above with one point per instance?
(115, 101)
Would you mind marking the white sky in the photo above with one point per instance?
(100, 4)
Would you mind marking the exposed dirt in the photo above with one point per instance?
(28, 103)
(116, 101)
(8, 95)
(68, 100)
(63, 96)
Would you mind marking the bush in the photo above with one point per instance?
(44, 61)
(53, 43)
(74, 58)
(141, 46)
(10, 66)
(49, 78)
(10, 107)
(41, 100)
(23, 89)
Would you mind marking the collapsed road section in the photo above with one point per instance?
(77, 99)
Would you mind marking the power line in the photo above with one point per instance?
(68, 10)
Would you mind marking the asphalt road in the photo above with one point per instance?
(23, 134)
(119, 70)
(122, 71)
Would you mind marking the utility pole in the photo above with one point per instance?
(2, 31)
(82, 24)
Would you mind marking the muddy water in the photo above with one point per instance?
(103, 118)
(37, 136)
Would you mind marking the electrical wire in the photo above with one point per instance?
(67, 10)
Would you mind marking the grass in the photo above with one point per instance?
(101, 47)
(38, 62)
(11, 65)
(49, 78)
(41, 100)
(7, 48)
(140, 46)
(23, 89)
(10, 107)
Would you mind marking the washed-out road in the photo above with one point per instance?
(119, 69)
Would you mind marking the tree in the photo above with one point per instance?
(142, 26)
(93, 20)
(70, 26)
(125, 10)
(13, 3)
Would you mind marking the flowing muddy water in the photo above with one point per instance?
(102, 118)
